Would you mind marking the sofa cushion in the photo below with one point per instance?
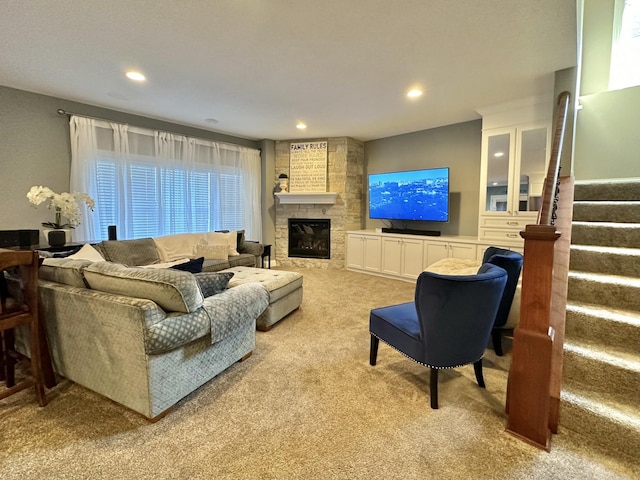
(64, 270)
(214, 265)
(214, 251)
(172, 290)
(131, 252)
(242, 260)
(212, 283)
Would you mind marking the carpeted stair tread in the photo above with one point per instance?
(602, 403)
(608, 234)
(616, 428)
(608, 290)
(614, 376)
(597, 259)
(622, 189)
(610, 355)
(607, 327)
(607, 211)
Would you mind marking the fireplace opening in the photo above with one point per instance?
(309, 238)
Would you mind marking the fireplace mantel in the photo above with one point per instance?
(307, 197)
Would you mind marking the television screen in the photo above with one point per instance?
(411, 195)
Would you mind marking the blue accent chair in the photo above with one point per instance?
(512, 262)
(447, 326)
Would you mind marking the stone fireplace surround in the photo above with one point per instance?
(345, 170)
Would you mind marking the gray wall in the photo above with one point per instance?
(455, 146)
(35, 149)
(608, 125)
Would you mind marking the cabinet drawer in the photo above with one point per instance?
(501, 235)
(511, 222)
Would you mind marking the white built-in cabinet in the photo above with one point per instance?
(435, 251)
(403, 256)
(516, 143)
(364, 252)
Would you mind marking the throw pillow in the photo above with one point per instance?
(240, 245)
(87, 252)
(230, 238)
(216, 251)
(166, 264)
(193, 266)
(212, 283)
(240, 241)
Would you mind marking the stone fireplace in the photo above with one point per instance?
(345, 166)
(309, 238)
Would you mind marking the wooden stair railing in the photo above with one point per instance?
(535, 376)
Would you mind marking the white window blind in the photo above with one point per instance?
(150, 183)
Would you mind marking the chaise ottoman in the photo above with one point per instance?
(285, 291)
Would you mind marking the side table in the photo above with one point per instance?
(266, 253)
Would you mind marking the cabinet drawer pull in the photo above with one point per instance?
(512, 235)
(512, 223)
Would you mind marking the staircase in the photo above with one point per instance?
(600, 396)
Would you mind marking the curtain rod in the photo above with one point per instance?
(60, 111)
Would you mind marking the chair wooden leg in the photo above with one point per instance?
(36, 362)
(10, 361)
(477, 367)
(496, 336)
(433, 388)
(3, 360)
(373, 352)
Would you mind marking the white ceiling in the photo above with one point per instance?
(259, 66)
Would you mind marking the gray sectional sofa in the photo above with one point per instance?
(146, 337)
(147, 251)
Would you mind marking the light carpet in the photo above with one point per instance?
(306, 405)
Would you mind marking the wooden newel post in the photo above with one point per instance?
(528, 399)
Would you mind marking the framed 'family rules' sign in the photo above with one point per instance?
(308, 167)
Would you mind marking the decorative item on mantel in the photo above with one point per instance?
(283, 183)
(65, 205)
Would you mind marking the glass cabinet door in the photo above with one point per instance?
(533, 161)
(498, 161)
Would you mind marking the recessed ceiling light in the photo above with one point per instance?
(136, 76)
(498, 154)
(301, 126)
(414, 93)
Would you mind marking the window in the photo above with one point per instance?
(150, 183)
(625, 52)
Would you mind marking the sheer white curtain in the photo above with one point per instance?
(151, 183)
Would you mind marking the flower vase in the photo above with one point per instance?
(57, 237)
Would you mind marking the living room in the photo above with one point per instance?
(298, 417)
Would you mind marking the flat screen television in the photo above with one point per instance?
(411, 195)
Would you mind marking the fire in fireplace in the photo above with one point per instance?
(309, 238)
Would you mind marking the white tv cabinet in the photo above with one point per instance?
(404, 257)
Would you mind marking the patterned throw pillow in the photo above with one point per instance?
(214, 251)
(212, 283)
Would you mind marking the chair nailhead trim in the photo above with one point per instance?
(423, 364)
